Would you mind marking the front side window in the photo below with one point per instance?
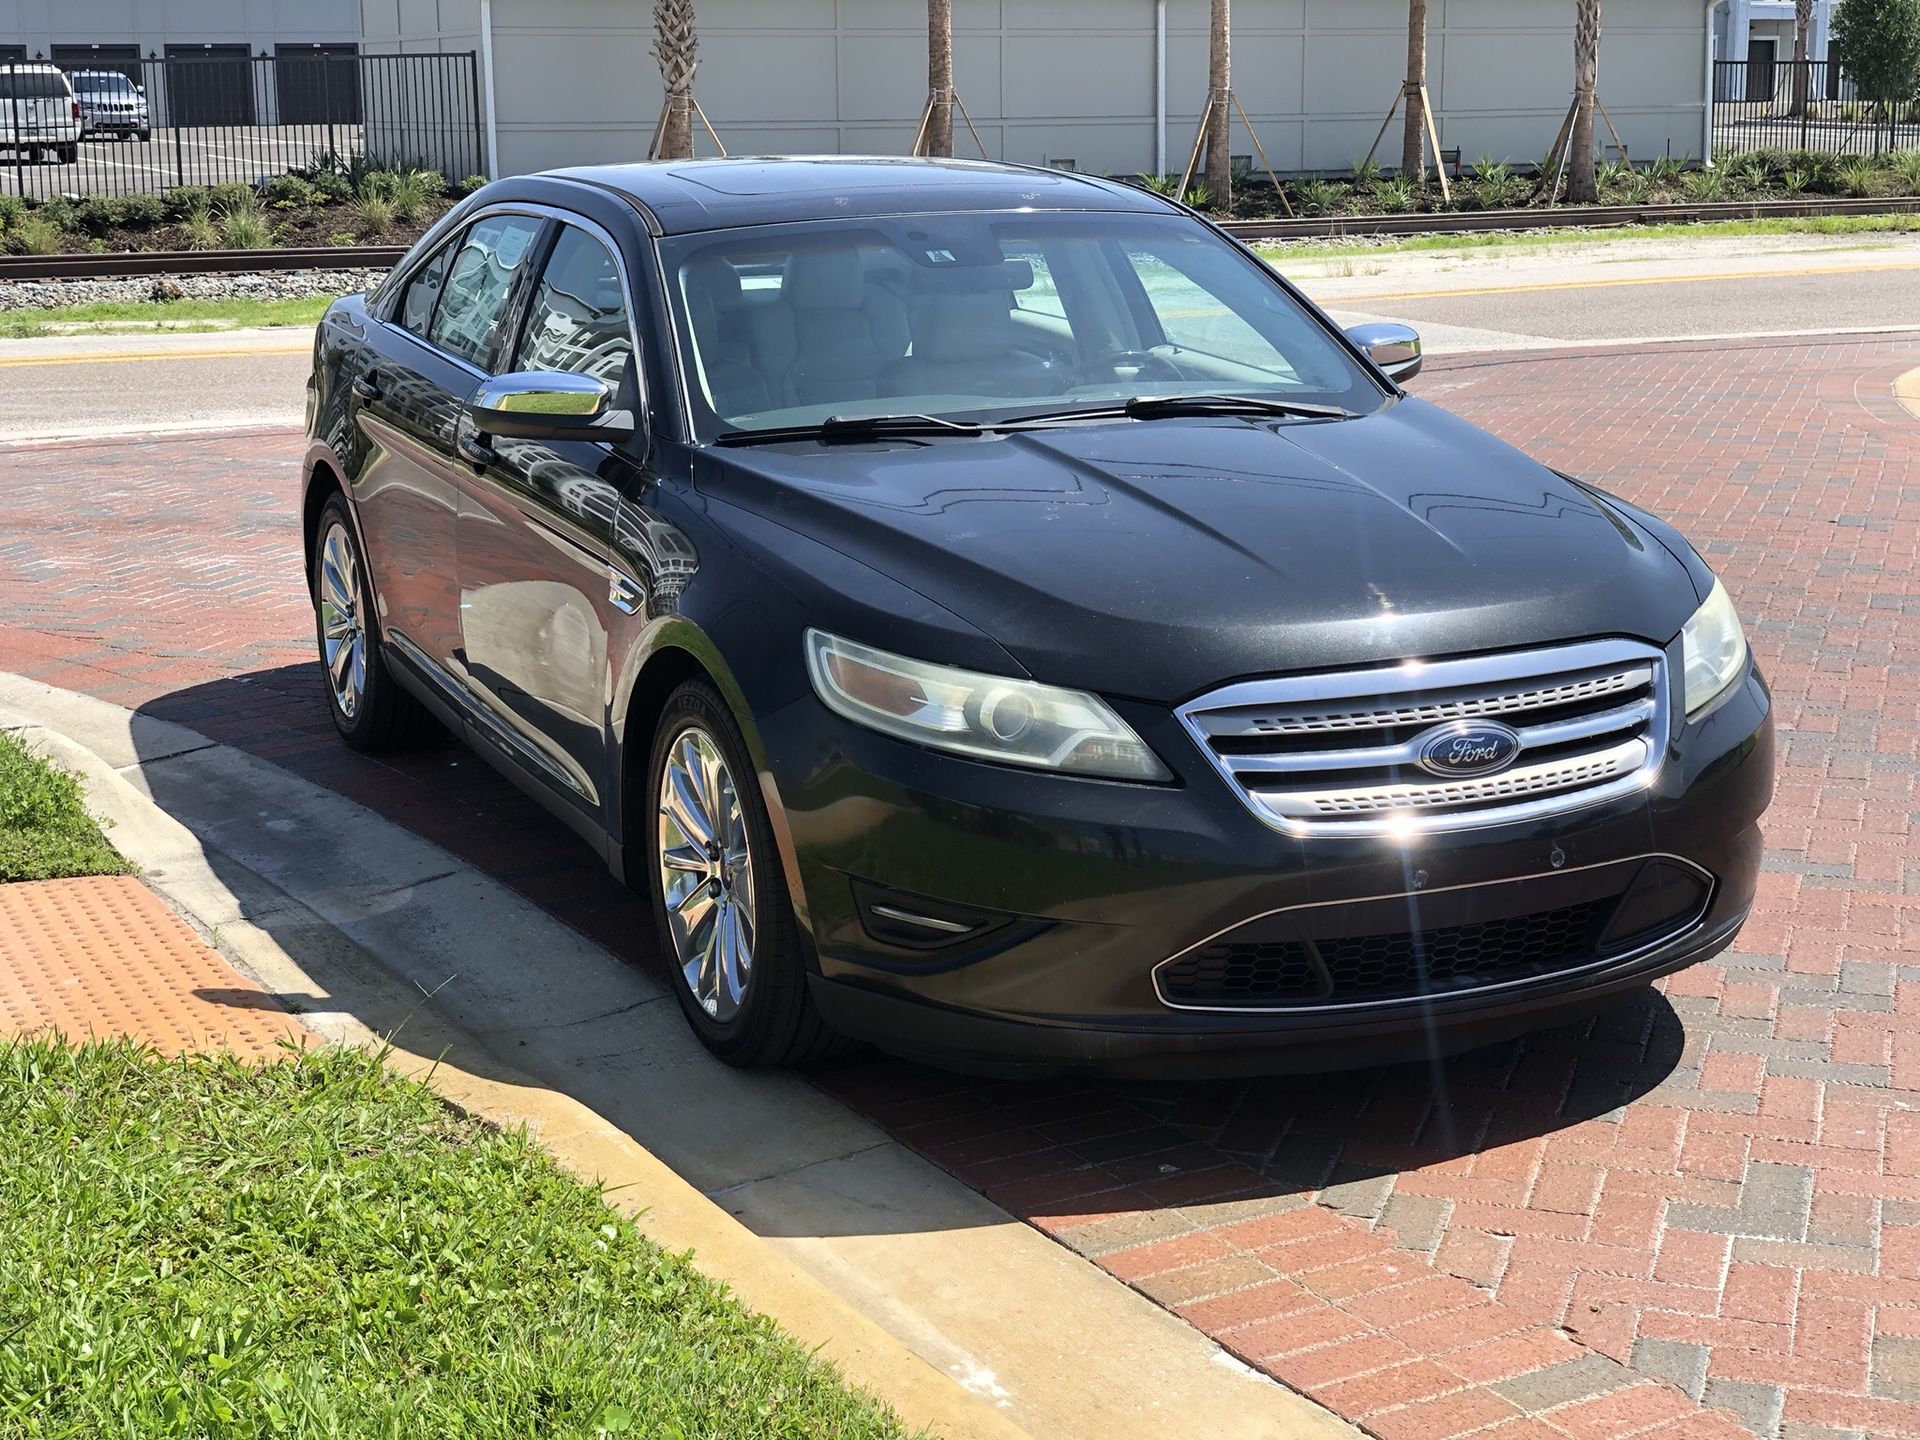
(415, 312)
(985, 317)
(578, 319)
(473, 300)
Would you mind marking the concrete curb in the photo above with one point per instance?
(967, 1322)
(670, 1211)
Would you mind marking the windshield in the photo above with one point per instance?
(987, 317)
(103, 85)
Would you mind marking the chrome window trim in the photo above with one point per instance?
(1354, 690)
(1692, 923)
(539, 211)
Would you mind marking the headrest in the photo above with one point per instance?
(963, 327)
(714, 282)
(825, 280)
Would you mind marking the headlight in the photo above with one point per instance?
(1715, 648)
(989, 717)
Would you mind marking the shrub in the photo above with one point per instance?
(1395, 195)
(473, 182)
(1316, 196)
(1794, 181)
(1859, 178)
(1905, 167)
(1704, 184)
(290, 192)
(343, 237)
(375, 212)
(184, 200)
(142, 212)
(34, 235)
(245, 228)
(12, 211)
(410, 194)
(230, 196)
(202, 233)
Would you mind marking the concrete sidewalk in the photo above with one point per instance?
(964, 1319)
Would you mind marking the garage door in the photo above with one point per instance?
(318, 84)
(124, 58)
(210, 85)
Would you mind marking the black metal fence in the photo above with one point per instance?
(209, 114)
(1768, 104)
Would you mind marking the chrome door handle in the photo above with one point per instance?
(472, 448)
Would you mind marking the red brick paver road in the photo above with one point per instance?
(1708, 1195)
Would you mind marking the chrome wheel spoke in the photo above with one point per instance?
(706, 873)
(343, 640)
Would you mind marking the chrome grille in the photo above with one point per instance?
(1339, 754)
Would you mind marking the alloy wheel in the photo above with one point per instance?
(706, 873)
(343, 637)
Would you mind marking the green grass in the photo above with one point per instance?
(1410, 244)
(45, 831)
(163, 315)
(316, 1248)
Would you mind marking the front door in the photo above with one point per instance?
(535, 535)
(409, 398)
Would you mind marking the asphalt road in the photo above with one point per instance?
(190, 156)
(1539, 299)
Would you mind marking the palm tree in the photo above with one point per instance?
(939, 139)
(1583, 185)
(677, 47)
(1413, 145)
(1219, 91)
(1802, 39)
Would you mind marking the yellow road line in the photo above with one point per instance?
(121, 356)
(1346, 302)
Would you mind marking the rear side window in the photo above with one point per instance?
(415, 312)
(32, 84)
(578, 319)
(473, 300)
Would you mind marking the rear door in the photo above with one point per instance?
(426, 361)
(536, 531)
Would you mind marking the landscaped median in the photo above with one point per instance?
(289, 1239)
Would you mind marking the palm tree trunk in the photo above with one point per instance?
(677, 47)
(1802, 43)
(1582, 179)
(1219, 111)
(1413, 144)
(940, 76)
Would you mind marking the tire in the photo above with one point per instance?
(369, 709)
(67, 154)
(145, 135)
(772, 1021)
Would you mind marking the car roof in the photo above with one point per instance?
(689, 195)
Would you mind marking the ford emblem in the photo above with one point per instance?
(1468, 747)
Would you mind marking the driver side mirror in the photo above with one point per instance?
(549, 405)
(1395, 348)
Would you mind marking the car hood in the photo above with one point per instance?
(1158, 559)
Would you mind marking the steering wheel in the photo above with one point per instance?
(1131, 365)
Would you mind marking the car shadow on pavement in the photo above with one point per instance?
(1061, 1152)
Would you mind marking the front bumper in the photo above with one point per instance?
(1090, 886)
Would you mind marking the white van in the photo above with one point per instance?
(39, 112)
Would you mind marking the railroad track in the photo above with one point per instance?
(197, 262)
(1319, 227)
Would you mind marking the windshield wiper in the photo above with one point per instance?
(851, 429)
(1159, 407)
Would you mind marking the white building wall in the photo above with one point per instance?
(1047, 80)
(39, 25)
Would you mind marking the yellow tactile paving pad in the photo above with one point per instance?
(102, 956)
